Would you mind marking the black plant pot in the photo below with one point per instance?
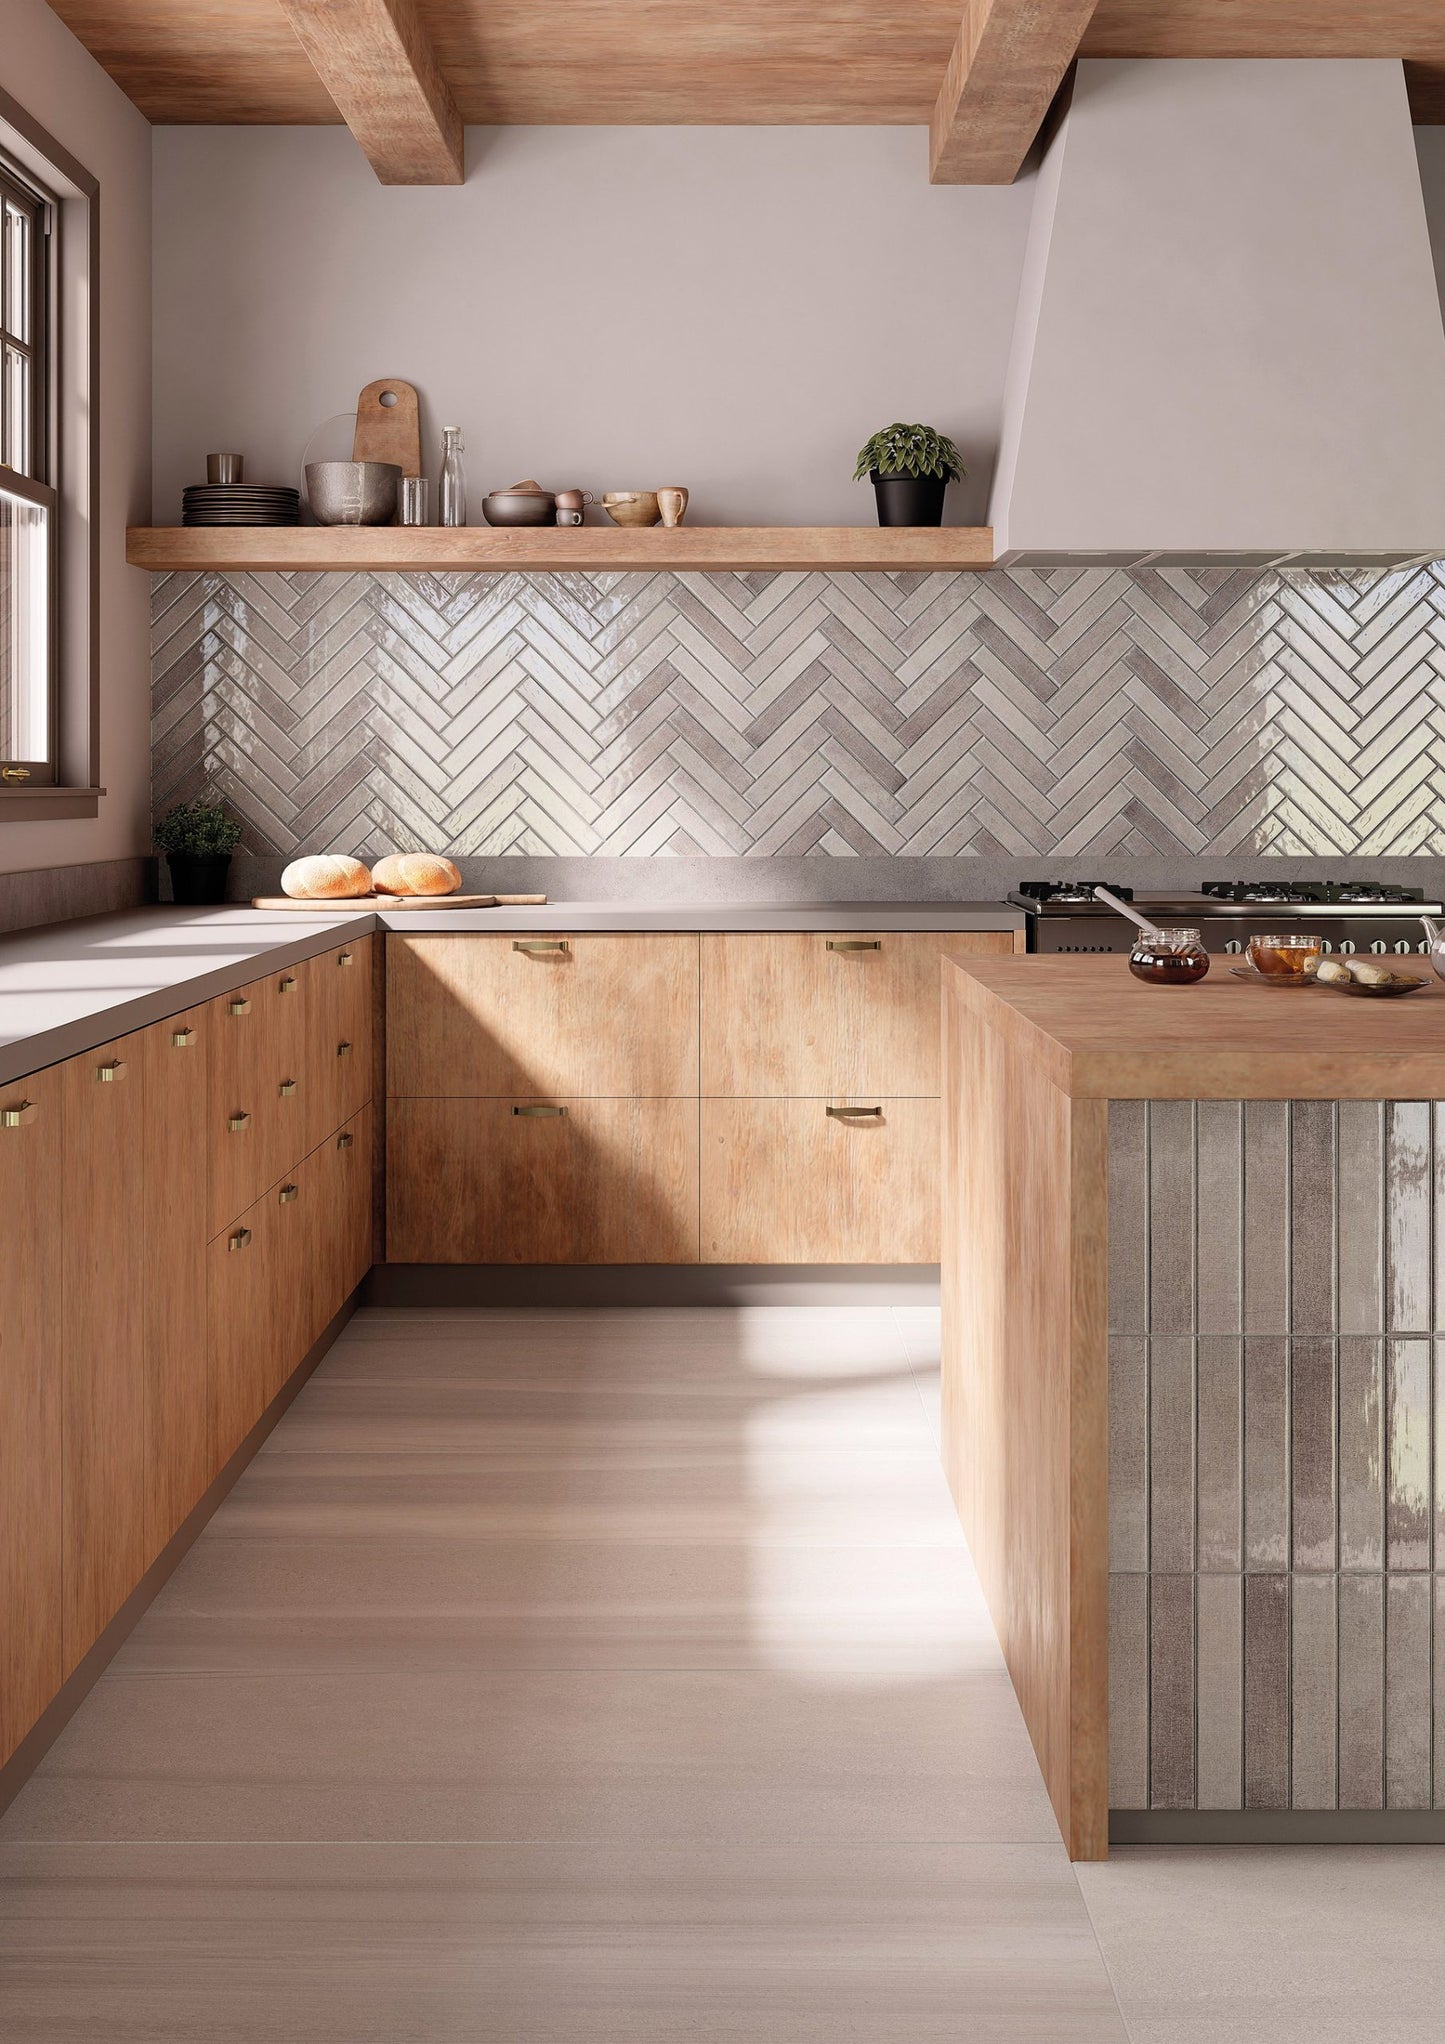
(196, 881)
(909, 500)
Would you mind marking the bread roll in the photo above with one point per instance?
(332, 877)
(415, 873)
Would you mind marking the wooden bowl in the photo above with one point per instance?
(631, 507)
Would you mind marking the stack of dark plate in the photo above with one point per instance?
(240, 504)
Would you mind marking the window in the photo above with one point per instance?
(29, 535)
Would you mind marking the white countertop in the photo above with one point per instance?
(69, 986)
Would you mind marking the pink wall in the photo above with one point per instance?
(45, 69)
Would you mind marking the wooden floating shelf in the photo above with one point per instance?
(311, 548)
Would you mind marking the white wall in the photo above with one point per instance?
(44, 68)
(1430, 150)
(735, 309)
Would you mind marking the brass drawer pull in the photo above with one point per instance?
(344, 1140)
(855, 1113)
(287, 1088)
(343, 1050)
(239, 1240)
(18, 1117)
(852, 944)
(287, 985)
(537, 1111)
(541, 947)
(236, 1122)
(238, 1008)
(182, 1039)
(106, 1075)
(285, 1196)
(343, 958)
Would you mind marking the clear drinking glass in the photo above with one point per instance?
(1292, 957)
(453, 478)
(414, 507)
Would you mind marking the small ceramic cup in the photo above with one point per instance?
(672, 503)
(631, 507)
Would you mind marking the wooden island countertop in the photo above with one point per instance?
(1100, 1034)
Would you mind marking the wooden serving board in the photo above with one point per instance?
(372, 902)
(388, 432)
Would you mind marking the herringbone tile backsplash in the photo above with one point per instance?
(1013, 713)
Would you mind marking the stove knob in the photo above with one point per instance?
(1233, 944)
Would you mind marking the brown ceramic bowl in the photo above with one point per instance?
(631, 507)
(520, 507)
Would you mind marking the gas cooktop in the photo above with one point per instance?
(1228, 897)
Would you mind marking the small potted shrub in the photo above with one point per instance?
(910, 467)
(198, 839)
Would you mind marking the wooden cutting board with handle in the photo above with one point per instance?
(388, 431)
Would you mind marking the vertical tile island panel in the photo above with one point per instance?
(1277, 1455)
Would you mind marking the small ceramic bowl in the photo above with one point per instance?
(631, 507)
(520, 507)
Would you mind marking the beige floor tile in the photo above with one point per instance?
(359, 1944)
(1296, 1945)
(272, 1607)
(618, 1756)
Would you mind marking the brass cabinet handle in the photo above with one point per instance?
(343, 958)
(239, 1240)
(239, 1008)
(286, 1088)
(105, 1075)
(287, 985)
(344, 1140)
(852, 944)
(236, 1122)
(343, 1050)
(13, 775)
(855, 1113)
(541, 947)
(285, 1196)
(536, 1111)
(182, 1039)
(18, 1117)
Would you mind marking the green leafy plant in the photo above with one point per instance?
(197, 830)
(901, 450)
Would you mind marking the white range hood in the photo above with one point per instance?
(1229, 345)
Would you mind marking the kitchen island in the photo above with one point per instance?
(1191, 1304)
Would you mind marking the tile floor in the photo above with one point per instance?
(599, 1676)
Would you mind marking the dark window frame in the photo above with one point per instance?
(72, 425)
(33, 480)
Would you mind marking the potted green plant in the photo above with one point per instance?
(198, 839)
(910, 467)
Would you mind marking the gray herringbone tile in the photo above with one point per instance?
(1071, 710)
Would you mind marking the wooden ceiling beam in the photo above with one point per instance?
(374, 59)
(1008, 62)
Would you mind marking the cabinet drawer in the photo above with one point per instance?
(785, 1181)
(243, 1316)
(256, 1089)
(556, 1181)
(519, 1017)
(795, 1013)
(338, 1061)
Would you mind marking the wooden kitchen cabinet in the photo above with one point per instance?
(31, 1283)
(788, 1181)
(554, 1181)
(338, 1067)
(247, 1054)
(104, 1334)
(245, 1319)
(346, 1173)
(170, 1236)
(531, 1017)
(797, 1014)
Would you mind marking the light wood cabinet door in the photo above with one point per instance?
(291, 1003)
(245, 1069)
(785, 1181)
(794, 1014)
(295, 1225)
(170, 1234)
(104, 1460)
(31, 1281)
(339, 1049)
(241, 1309)
(559, 1181)
(518, 1017)
(348, 1165)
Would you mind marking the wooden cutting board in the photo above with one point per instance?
(388, 432)
(372, 902)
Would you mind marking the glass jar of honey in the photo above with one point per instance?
(1169, 958)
